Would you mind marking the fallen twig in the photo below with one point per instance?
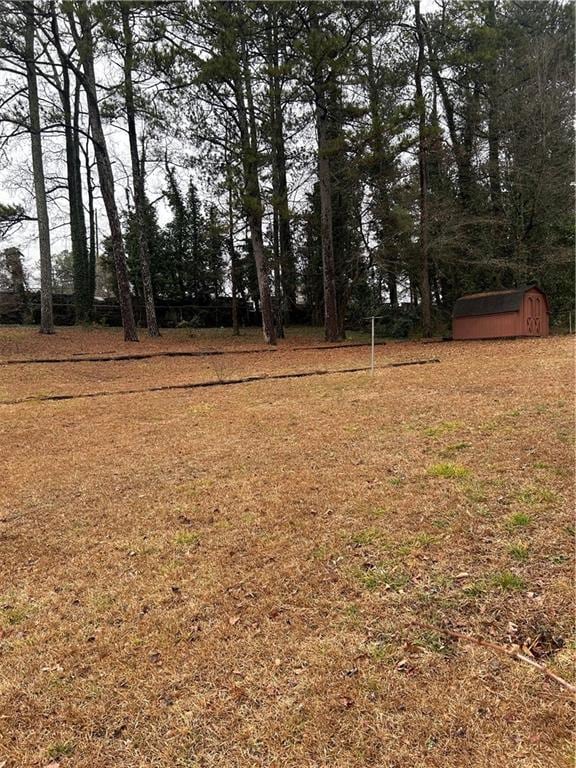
(510, 651)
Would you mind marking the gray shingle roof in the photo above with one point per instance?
(491, 303)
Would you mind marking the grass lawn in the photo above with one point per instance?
(239, 575)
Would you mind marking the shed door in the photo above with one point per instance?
(534, 315)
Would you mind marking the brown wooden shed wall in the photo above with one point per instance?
(532, 319)
(487, 326)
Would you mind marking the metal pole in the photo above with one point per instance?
(570, 321)
(372, 318)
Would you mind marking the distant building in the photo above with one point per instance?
(500, 314)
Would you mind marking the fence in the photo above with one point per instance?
(169, 314)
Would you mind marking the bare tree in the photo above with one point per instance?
(322, 76)
(85, 42)
(244, 98)
(83, 295)
(46, 312)
(137, 172)
(425, 295)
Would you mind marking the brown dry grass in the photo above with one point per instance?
(230, 577)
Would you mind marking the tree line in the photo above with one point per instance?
(337, 155)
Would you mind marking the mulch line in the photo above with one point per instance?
(143, 356)
(212, 383)
(80, 358)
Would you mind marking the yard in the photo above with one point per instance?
(247, 575)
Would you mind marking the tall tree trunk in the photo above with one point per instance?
(462, 156)
(469, 131)
(493, 130)
(46, 313)
(320, 81)
(83, 299)
(233, 265)
(85, 44)
(274, 140)
(180, 214)
(278, 292)
(331, 324)
(279, 174)
(93, 225)
(231, 248)
(252, 195)
(378, 168)
(86, 302)
(425, 297)
(137, 175)
(494, 160)
(392, 285)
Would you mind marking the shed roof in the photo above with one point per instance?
(491, 302)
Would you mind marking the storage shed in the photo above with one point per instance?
(499, 314)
